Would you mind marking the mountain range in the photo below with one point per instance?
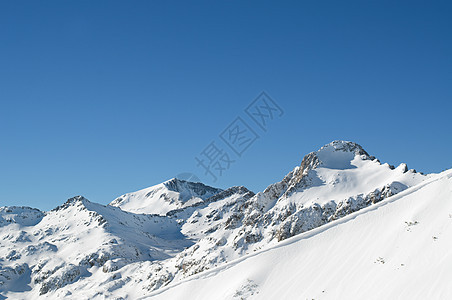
(340, 225)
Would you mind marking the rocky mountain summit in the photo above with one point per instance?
(143, 241)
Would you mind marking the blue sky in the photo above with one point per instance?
(100, 98)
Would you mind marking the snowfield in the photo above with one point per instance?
(339, 225)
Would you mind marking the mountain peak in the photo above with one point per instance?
(179, 185)
(335, 155)
(164, 197)
(344, 146)
(76, 200)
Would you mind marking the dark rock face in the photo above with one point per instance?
(198, 189)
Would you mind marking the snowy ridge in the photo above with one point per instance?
(159, 236)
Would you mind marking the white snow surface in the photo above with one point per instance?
(340, 225)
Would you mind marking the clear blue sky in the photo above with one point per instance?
(100, 98)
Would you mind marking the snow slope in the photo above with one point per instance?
(399, 248)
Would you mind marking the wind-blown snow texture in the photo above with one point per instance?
(333, 227)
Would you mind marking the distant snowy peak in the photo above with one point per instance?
(164, 197)
(22, 215)
(335, 155)
(74, 201)
(344, 146)
(190, 188)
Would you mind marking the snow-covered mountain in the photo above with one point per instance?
(157, 240)
(164, 197)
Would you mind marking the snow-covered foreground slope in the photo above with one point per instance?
(162, 235)
(400, 248)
